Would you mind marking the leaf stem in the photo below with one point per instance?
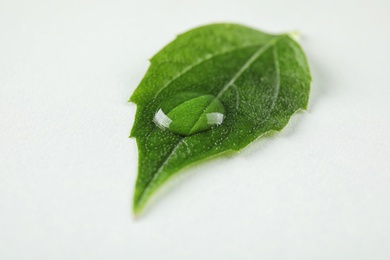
(296, 35)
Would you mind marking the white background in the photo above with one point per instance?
(318, 190)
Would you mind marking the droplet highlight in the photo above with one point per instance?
(215, 118)
(161, 119)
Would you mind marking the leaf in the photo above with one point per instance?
(260, 79)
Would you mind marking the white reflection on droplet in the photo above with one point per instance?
(214, 118)
(161, 119)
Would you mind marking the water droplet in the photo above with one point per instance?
(189, 113)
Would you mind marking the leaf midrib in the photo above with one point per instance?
(201, 61)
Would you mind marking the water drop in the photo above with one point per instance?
(189, 113)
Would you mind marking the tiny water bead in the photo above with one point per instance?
(189, 113)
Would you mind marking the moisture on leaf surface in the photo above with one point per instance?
(189, 113)
(213, 89)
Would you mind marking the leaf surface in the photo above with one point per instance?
(261, 80)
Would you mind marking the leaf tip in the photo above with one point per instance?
(138, 204)
(137, 210)
(136, 215)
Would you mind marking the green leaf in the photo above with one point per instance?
(260, 80)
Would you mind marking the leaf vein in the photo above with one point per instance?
(201, 61)
(276, 89)
(147, 186)
(248, 63)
